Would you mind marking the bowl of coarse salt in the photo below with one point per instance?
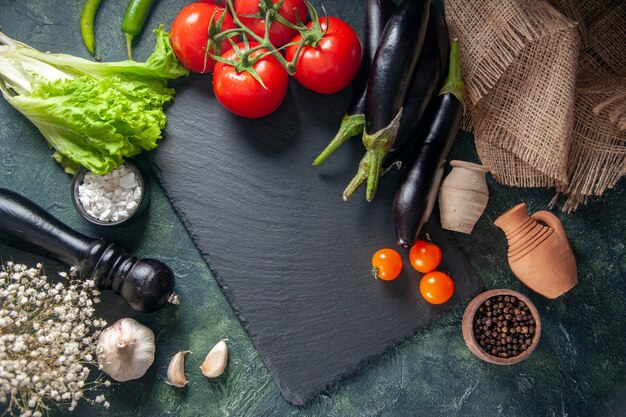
(112, 199)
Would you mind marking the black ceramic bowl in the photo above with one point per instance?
(132, 216)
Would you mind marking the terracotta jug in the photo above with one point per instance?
(539, 253)
(463, 196)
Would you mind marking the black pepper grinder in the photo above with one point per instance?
(145, 284)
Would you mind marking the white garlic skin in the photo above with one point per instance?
(125, 350)
(176, 370)
(215, 362)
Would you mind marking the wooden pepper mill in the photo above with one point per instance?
(145, 284)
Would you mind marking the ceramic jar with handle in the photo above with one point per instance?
(463, 196)
(539, 252)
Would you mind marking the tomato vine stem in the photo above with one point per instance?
(270, 12)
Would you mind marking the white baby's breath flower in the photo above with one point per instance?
(48, 334)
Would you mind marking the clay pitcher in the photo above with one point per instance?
(539, 253)
(463, 196)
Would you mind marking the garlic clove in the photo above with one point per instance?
(125, 350)
(215, 362)
(176, 370)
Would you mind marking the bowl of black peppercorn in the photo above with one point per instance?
(501, 326)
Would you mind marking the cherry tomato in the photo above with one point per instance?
(242, 94)
(333, 63)
(190, 35)
(291, 10)
(386, 264)
(436, 287)
(425, 256)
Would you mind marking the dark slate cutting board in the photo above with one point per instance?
(292, 257)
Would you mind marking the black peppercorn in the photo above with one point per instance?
(504, 326)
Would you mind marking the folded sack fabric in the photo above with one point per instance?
(547, 89)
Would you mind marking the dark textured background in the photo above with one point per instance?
(577, 369)
(292, 257)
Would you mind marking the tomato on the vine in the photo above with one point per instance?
(241, 93)
(425, 256)
(386, 264)
(436, 287)
(292, 10)
(189, 35)
(332, 64)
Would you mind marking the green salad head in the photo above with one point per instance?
(93, 114)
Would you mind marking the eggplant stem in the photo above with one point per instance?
(378, 145)
(376, 161)
(351, 125)
(454, 82)
(358, 179)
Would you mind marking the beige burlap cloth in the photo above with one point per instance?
(546, 84)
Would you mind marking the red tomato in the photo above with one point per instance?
(333, 63)
(436, 287)
(279, 33)
(190, 35)
(386, 264)
(243, 95)
(425, 256)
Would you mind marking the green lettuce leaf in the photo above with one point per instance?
(98, 123)
(93, 114)
(162, 63)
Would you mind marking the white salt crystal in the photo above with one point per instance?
(105, 214)
(128, 181)
(111, 197)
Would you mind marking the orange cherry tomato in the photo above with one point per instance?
(436, 287)
(386, 264)
(425, 256)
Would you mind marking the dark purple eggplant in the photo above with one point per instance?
(377, 14)
(419, 184)
(428, 76)
(389, 78)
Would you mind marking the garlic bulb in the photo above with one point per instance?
(125, 350)
(176, 370)
(215, 362)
